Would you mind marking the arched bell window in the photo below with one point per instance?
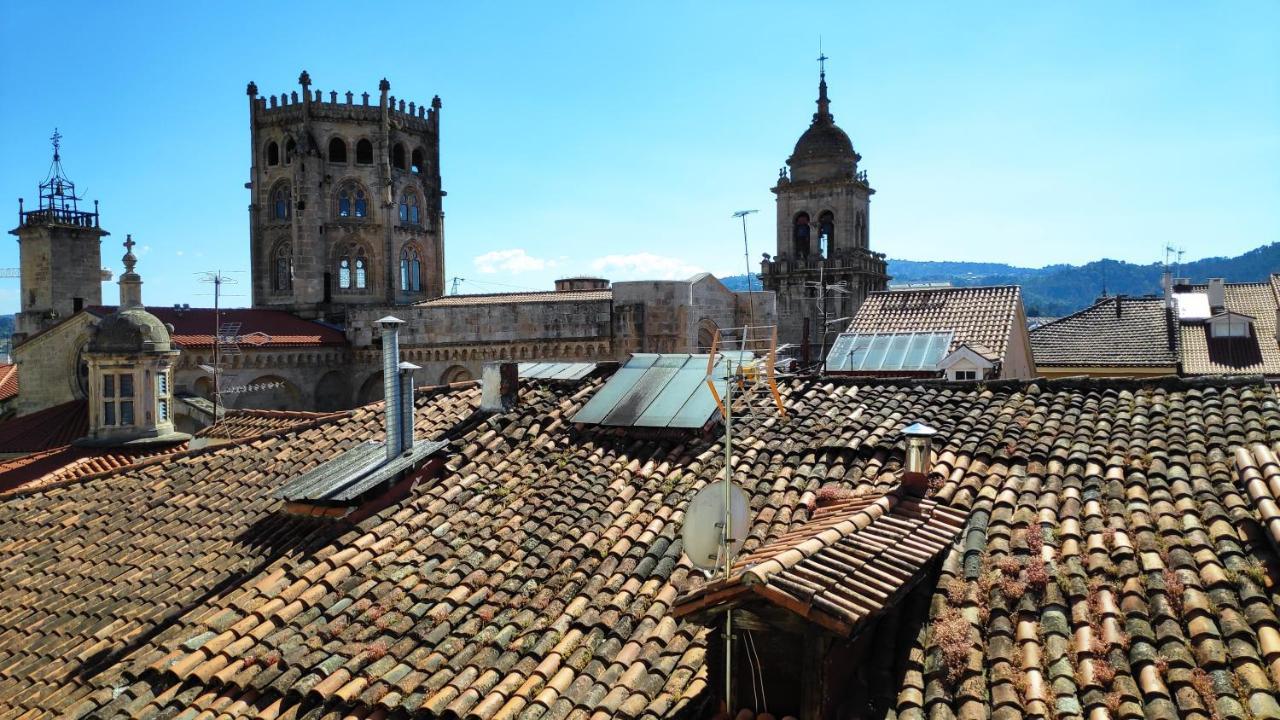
(290, 149)
(282, 268)
(397, 156)
(352, 201)
(273, 153)
(337, 150)
(280, 202)
(419, 162)
(409, 211)
(364, 152)
(826, 232)
(410, 269)
(800, 236)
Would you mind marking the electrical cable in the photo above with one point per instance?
(764, 699)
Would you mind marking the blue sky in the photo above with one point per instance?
(618, 138)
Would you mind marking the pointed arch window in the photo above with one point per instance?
(419, 162)
(273, 153)
(409, 210)
(410, 269)
(826, 232)
(800, 235)
(282, 268)
(290, 149)
(337, 151)
(281, 202)
(397, 156)
(353, 269)
(352, 201)
(364, 152)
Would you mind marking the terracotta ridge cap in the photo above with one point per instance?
(760, 573)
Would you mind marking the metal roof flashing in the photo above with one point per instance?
(355, 477)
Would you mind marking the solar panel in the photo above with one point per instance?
(888, 352)
(556, 370)
(658, 391)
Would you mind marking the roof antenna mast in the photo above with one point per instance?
(746, 259)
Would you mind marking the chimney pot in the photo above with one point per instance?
(391, 385)
(919, 447)
(499, 386)
(406, 405)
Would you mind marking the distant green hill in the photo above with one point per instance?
(1063, 289)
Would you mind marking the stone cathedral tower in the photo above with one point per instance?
(823, 233)
(346, 201)
(60, 254)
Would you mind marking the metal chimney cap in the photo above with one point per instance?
(919, 429)
(389, 321)
(406, 365)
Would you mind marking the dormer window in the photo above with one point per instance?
(1230, 325)
(117, 399)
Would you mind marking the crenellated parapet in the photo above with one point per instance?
(289, 107)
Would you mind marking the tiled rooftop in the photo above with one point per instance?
(45, 429)
(1204, 355)
(68, 462)
(519, 297)
(1117, 557)
(240, 424)
(8, 380)
(978, 315)
(1128, 332)
(195, 327)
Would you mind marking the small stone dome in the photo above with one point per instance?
(824, 151)
(822, 141)
(130, 331)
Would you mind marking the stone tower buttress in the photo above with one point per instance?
(823, 234)
(345, 206)
(60, 254)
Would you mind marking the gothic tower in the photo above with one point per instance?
(60, 254)
(824, 267)
(346, 203)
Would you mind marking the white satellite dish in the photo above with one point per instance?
(702, 522)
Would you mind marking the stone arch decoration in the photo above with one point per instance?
(370, 389)
(707, 329)
(276, 393)
(332, 391)
(455, 373)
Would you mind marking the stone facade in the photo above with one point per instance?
(823, 267)
(346, 203)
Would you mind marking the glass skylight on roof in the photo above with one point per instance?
(653, 390)
(556, 370)
(888, 352)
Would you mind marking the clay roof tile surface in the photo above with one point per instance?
(1129, 332)
(52, 427)
(977, 315)
(1119, 543)
(1202, 354)
(8, 380)
(196, 327)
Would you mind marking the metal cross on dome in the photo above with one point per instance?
(57, 142)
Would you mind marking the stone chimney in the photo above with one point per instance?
(1217, 294)
(499, 386)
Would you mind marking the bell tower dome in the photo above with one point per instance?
(823, 267)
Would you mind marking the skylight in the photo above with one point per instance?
(659, 391)
(885, 352)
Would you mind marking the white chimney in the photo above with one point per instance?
(391, 383)
(1217, 294)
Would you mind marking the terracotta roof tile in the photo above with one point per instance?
(1258, 355)
(240, 424)
(1129, 332)
(977, 315)
(45, 429)
(195, 327)
(535, 577)
(8, 380)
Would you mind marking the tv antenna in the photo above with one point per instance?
(226, 337)
(825, 290)
(453, 290)
(716, 520)
(746, 259)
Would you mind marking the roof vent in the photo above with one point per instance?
(919, 458)
(391, 382)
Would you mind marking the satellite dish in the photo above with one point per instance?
(702, 522)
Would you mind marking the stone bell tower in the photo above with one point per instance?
(346, 204)
(60, 254)
(824, 219)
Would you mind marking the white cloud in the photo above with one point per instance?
(646, 266)
(510, 261)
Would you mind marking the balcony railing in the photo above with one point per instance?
(58, 216)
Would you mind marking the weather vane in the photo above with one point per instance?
(57, 142)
